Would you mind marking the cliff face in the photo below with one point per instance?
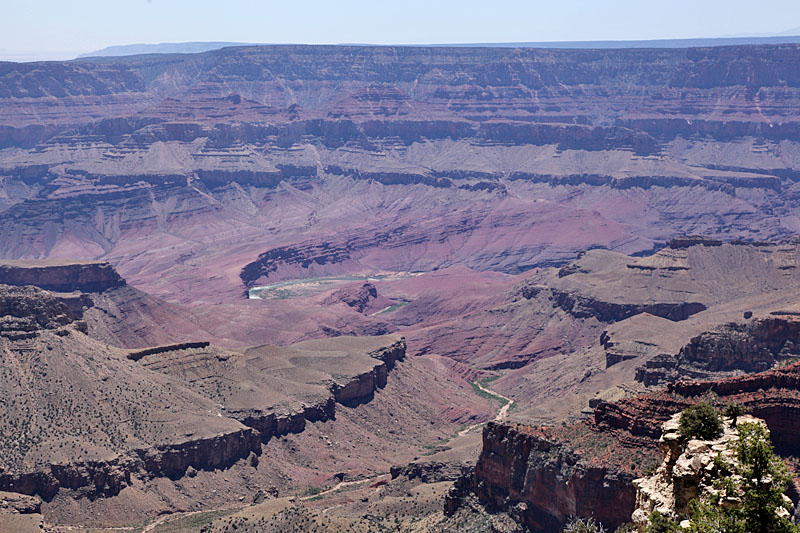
(542, 476)
(584, 306)
(323, 374)
(479, 157)
(64, 277)
(689, 472)
(751, 347)
(25, 310)
(90, 419)
(542, 483)
(106, 478)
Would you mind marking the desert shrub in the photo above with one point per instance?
(759, 479)
(584, 525)
(662, 524)
(734, 411)
(700, 421)
(764, 480)
(710, 518)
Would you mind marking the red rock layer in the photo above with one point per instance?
(543, 476)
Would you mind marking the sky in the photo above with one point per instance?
(62, 29)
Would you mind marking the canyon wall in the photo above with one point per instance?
(325, 160)
(124, 414)
(543, 476)
(65, 277)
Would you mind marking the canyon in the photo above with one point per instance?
(400, 287)
(544, 475)
(196, 174)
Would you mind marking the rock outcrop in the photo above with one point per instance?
(15, 503)
(513, 158)
(728, 349)
(542, 476)
(689, 471)
(542, 483)
(25, 310)
(123, 416)
(363, 298)
(66, 277)
(584, 306)
(432, 471)
(305, 383)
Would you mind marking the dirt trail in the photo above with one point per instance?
(501, 414)
(182, 514)
(343, 484)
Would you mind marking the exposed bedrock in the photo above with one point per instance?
(25, 310)
(542, 483)
(84, 387)
(15, 503)
(345, 390)
(107, 478)
(771, 395)
(751, 347)
(581, 306)
(205, 454)
(432, 471)
(359, 298)
(270, 424)
(669, 128)
(138, 354)
(270, 421)
(96, 479)
(543, 476)
(112, 156)
(64, 277)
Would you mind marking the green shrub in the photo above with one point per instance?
(584, 525)
(662, 524)
(760, 479)
(734, 411)
(700, 421)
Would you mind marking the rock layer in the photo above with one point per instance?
(494, 159)
(689, 472)
(61, 277)
(542, 476)
(123, 415)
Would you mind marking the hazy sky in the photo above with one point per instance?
(53, 29)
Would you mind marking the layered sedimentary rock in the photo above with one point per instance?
(363, 298)
(542, 483)
(84, 417)
(80, 416)
(296, 161)
(276, 390)
(25, 310)
(544, 475)
(690, 471)
(83, 276)
(730, 348)
(431, 471)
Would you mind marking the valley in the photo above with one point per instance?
(354, 288)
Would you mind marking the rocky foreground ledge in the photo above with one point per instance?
(688, 472)
(542, 476)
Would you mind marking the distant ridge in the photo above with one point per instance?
(198, 47)
(653, 43)
(162, 48)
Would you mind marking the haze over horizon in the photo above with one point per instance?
(47, 29)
